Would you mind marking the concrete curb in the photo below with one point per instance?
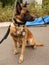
(5, 24)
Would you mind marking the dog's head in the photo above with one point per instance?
(22, 13)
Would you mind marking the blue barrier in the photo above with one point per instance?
(38, 21)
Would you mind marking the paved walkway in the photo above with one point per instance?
(38, 56)
(5, 24)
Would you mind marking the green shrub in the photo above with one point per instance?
(7, 2)
(46, 6)
(40, 12)
(0, 5)
(33, 10)
(6, 14)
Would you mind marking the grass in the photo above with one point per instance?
(6, 14)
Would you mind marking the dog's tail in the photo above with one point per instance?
(6, 35)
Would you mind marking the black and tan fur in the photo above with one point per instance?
(21, 16)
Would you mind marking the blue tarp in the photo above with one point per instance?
(38, 21)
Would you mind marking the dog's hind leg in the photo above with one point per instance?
(33, 43)
(36, 44)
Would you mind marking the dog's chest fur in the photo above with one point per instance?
(19, 33)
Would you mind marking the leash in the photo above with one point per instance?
(6, 35)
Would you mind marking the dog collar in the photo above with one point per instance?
(18, 22)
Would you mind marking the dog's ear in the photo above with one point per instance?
(18, 8)
(25, 5)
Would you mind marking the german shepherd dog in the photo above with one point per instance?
(19, 31)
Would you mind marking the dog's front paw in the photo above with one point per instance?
(21, 59)
(15, 52)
